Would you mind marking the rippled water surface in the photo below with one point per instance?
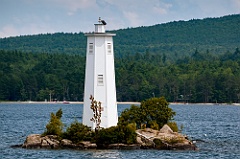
(215, 128)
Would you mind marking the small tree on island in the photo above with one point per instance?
(76, 132)
(97, 112)
(152, 113)
(55, 125)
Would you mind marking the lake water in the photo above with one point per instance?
(215, 128)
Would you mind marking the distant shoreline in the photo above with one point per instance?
(58, 102)
(121, 103)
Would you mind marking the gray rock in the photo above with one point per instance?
(45, 144)
(33, 141)
(88, 145)
(165, 139)
(66, 142)
(166, 129)
(38, 141)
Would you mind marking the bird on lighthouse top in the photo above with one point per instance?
(102, 21)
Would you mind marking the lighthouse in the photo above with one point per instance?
(100, 77)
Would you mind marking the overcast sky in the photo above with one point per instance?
(27, 17)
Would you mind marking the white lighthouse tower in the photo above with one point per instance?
(100, 77)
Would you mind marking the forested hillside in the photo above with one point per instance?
(66, 43)
(174, 40)
(202, 77)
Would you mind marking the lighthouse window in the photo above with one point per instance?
(90, 48)
(100, 79)
(109, 48)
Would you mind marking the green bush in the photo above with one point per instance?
(132, 115)
(153, 113)
(154, 125)
(55, 125)
(173, 126)
(117, 134)
(108, 136)
(78, 132)
(156, 109)
(130, 134)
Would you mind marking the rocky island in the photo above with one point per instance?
(164, 139)
(148, 126)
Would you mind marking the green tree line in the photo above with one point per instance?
(200, 77)
(27, 76)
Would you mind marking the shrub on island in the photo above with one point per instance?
(152, 113)
(116, 134)
(55, 125)
(78, 132)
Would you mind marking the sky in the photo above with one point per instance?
(28, 17)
